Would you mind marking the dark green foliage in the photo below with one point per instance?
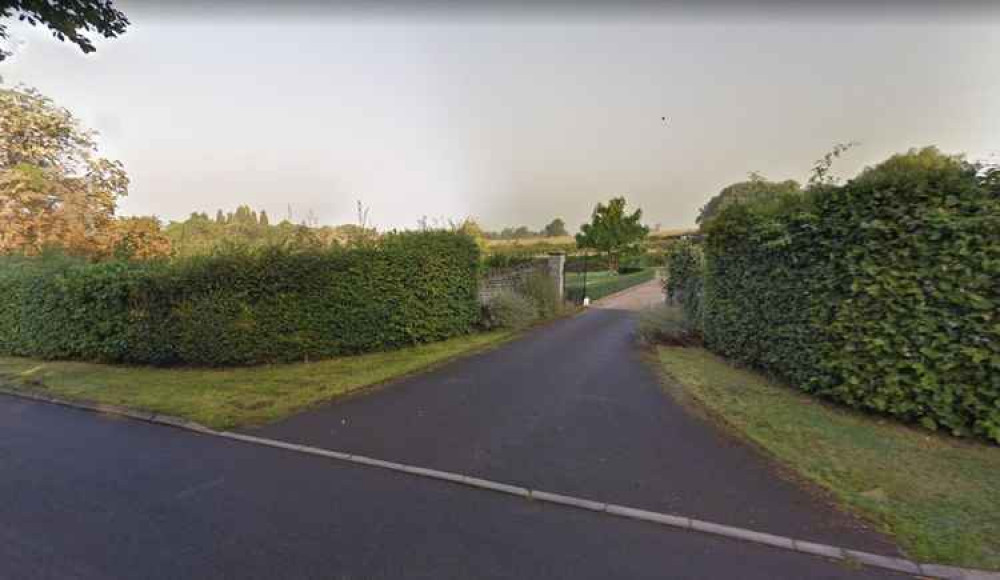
(591, 263)
(502, 261)
(881, 294)
(631, 264)
(243, 306)
(628, 264)
(613, 231)
(67, 19)
(756, 189)
(556, 228)
(684, 281)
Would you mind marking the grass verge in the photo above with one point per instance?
(232, 397)
(937, 495)
(603, 283)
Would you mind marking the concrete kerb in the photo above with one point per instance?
(671, 520)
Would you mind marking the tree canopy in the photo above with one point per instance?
(613, 231)
(757, 187)
(55, 190)
(556, 228)
(67, 19)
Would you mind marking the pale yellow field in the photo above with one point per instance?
(553, 241)
(568, 240)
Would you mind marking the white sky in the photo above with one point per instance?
(512, 120)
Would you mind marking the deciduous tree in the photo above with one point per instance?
(556, 228)
(612, 231)
(54, 188)
(756, 187)
(67, 19)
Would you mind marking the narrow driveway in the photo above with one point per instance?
(93, 497)
(572, 408)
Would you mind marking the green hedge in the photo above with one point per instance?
(243, 306)
(882, 294)
(685, 280)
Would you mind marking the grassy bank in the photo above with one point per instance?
(232, 397)
(939, 496)
(603, 283)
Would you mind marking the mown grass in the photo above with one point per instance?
(232, 397)
(603, 283)
(939, 496)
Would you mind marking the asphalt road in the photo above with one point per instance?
(89, 496)
(572, 409)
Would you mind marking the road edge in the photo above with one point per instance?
(663, 519)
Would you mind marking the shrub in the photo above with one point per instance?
(591, 263)
(684, 281)
(509, 310)
(631, 264)
(501, 261)
(666, 324)
(541, 290)
(880, 294)
(243, 306)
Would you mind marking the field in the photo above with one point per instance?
(567, 244)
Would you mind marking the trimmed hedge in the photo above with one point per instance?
(244, 306)
(685, 280)
(882, 294)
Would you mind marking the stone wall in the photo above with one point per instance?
(510, 279)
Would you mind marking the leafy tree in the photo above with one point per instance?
(989, 176)
(471, 228)
(755, 188)
(54, 188)
(201, 235)
(138, 238)
(556, 228)
(612, 231)
(67, 19)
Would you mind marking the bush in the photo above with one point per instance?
(631, 264)
(684, 281)
(666, 324)
(591, 263)
(243, 306)
(880, 294)
(541, 290)
(509, 310)
(501, 261)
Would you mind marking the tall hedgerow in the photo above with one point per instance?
(881, 294)
(684, 281)
(243, 306)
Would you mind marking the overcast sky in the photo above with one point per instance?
(512, 117)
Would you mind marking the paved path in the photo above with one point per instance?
(92, 497)
(635, 298)
(572, 409)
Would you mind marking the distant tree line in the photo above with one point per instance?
(200, 234)
(555, 228)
